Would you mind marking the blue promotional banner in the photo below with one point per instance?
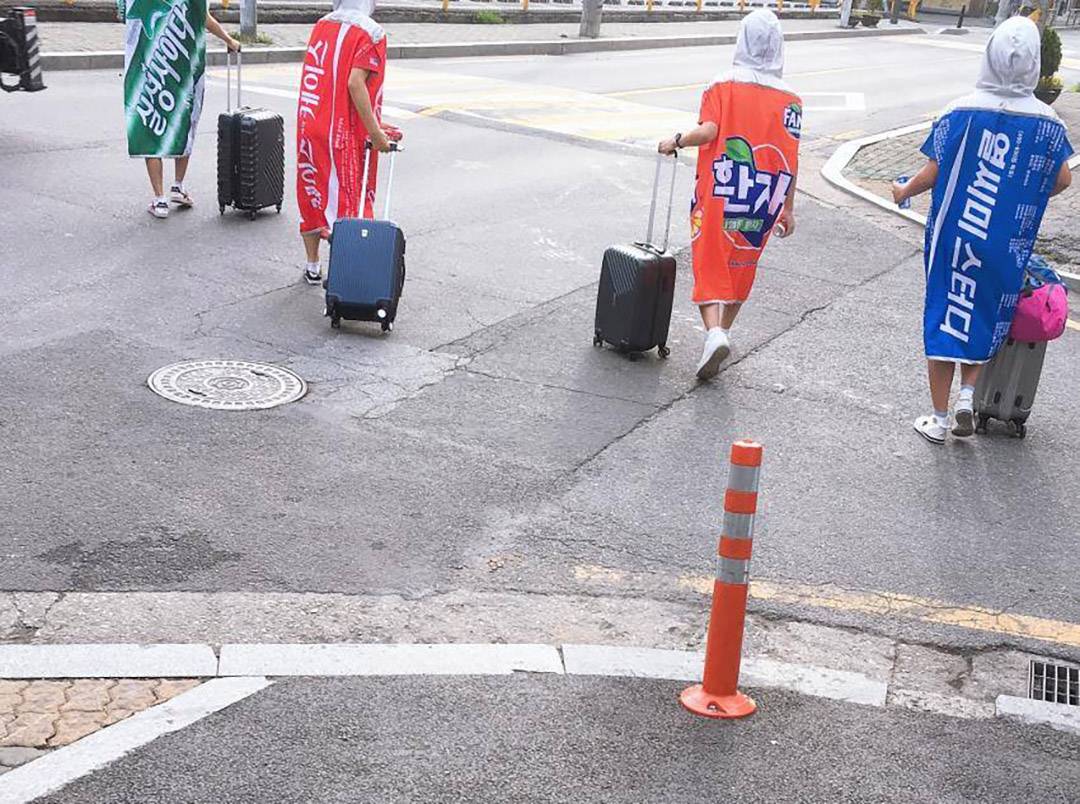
(996, 170)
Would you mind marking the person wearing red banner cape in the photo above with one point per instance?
(748, 159)
(339, 115)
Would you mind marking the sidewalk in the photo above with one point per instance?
(99, 36)
(876, 166)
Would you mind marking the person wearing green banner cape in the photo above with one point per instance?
(164, 60)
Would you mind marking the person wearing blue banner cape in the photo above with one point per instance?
(995, 157)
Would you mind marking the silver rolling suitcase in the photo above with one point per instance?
(1007, 385)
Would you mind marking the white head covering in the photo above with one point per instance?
(357, 12)
(1009, 72)
(1010, 65)
(760, 44)
(759, 52)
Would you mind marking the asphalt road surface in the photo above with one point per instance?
(562, 740)
(486, 444)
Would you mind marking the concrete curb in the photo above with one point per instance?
(1060, 717)
(107, 661)
(833, 171)
(114, 59)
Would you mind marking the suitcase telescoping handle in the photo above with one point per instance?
(228, 78)
(394, 150)
(671, 201)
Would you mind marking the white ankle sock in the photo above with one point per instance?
(313, 267)
(161, 200)
(942, 417)
(967, 392)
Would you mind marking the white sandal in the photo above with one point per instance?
(928, 428)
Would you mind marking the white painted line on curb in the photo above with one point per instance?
(1039, 713)
(64, 765)
(387, 660)
(598, 660)
(107, 661)
(833, 171)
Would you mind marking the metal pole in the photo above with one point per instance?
(894, 15)
(845, 13)
(247, 19)
(960, 19)
(591, 11)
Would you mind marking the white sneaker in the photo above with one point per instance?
(717, 349)
(929, 428)
(964, 415)
(159, 209)
(312, 278)
(181, 197)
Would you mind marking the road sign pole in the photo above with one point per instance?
(247, 19)
(845, 13)
(591, 11)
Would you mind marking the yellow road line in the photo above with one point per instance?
(907, 607)
(1072, 324)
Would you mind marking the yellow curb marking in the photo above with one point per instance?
(1072, 324)
(891, 604)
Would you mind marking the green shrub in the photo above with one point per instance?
(1051, 51)
(874, 6)
(488, 17)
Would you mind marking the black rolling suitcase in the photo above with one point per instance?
(637, 288)
(367, 264)
(251, 153)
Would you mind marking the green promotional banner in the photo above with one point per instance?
(164, 58)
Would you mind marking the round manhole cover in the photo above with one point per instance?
(227, 384)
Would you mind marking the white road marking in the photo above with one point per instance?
(850, 102)
(59, 768)
(107, 661)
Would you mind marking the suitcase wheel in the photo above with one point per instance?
(387, 326)
(221, 210)
(251, 215)
(980, 425)
(279, 209)
(335, 322)
(1021, 429)
(663, 351)
(597, 340)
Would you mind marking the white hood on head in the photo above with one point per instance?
(365, 7)
(760, 44)
(358, 13)
(1011, 63)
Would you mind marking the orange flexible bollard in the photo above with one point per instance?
(718, 695)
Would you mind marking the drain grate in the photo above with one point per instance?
(227, 384)
(1056, 683)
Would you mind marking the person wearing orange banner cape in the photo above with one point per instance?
(748, 159)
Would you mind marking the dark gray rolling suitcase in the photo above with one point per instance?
(251, 153)
(637, 288)
(1007, 385)
(367, 264)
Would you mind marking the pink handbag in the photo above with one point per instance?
(1041, 313)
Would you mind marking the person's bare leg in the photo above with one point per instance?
(731, 312)
(181, 166)
(312, 271)
(311, 246)
(155, 172)
(710, 315)
(941, 374)
(969, 375)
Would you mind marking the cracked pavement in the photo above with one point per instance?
(485, 446)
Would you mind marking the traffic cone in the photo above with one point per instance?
(718, 695)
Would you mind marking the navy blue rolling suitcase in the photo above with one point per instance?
(367, 265)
